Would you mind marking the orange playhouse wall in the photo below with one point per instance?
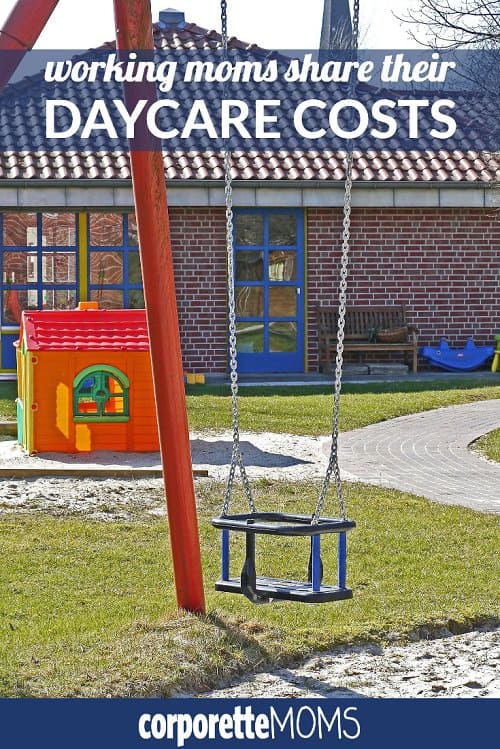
(54, 427)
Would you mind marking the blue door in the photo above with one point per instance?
(269, 288)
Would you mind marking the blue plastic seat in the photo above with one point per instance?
(259, 589)
(457, 359)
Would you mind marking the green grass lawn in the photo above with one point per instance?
(88, 608)
(489, 445)
(309, 411)
(8, 395)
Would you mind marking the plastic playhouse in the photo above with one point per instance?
(85, 381)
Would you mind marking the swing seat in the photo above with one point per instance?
(270, 589)
(260, 589)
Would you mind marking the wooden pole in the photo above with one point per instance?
(20, 33)
(134, 32)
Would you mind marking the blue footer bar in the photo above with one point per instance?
(359, 723)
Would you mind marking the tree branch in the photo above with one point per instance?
(455, 23)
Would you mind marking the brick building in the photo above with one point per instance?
(425, 234)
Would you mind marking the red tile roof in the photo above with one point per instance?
(370, 166)
(82, 330)
(401, 165)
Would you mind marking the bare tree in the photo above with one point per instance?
(453, 24)
(459, 24)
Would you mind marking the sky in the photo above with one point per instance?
(275, 24)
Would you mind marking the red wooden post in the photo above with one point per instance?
(134, 32)
(20, 32)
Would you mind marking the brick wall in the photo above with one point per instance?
(442, 264)
(199, 249)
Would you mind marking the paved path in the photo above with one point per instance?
(427, 454)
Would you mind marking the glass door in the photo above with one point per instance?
(269, 278)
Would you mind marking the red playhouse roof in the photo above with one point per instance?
(86, 330)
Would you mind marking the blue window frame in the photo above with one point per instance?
(38, 258)
(114, 271)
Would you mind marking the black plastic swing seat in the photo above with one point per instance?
(287, 590)
(260, 589)
(282, 524)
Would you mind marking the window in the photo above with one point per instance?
(115, 279)
(101, 393)
(38, 262)
(269, 272)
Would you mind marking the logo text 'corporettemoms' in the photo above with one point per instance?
(303, 722)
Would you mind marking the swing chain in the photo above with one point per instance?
(355, 26)
(223, 7)
(236, 457)
(333, 469)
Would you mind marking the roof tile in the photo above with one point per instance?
(86, 330)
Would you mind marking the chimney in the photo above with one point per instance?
(172, 19)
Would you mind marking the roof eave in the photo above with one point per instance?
(287, 184)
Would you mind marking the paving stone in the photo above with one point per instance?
(388, 369)
(428, 454)
(355, 369)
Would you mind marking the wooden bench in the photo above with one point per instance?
(360, 322)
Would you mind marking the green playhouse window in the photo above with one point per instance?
(101, 394)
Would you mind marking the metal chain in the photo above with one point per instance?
(333, 469)
(223, 14)
(236, 457)
(355, 25)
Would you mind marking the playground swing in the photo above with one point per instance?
(259, 589)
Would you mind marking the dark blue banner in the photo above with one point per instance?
(190, 723)
(254, 100)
